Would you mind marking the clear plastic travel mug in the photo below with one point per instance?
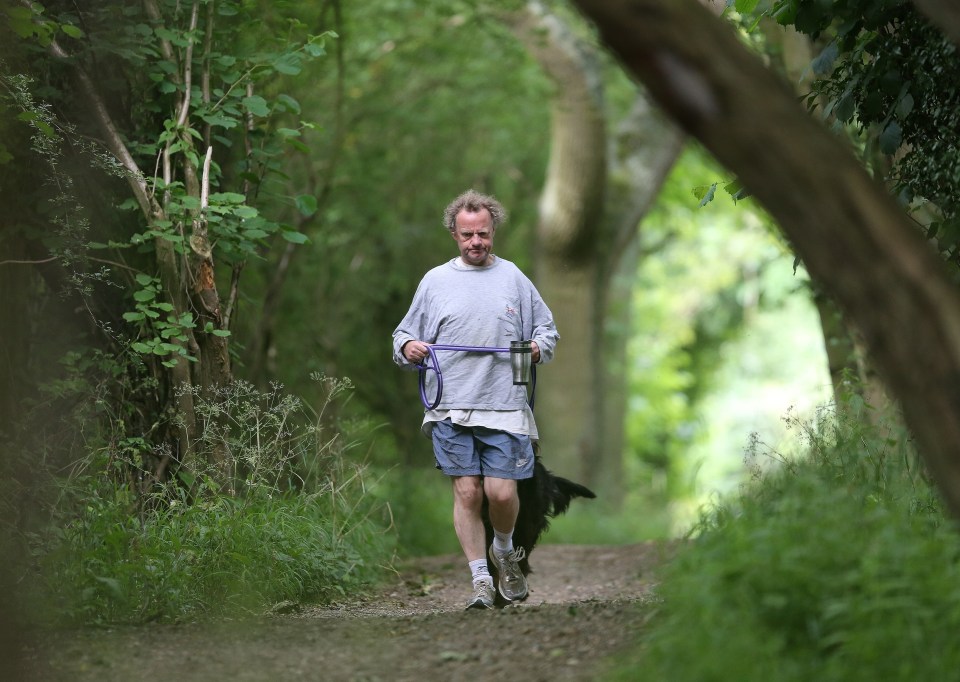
(521, 356)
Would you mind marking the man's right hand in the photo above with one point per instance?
(415, 351)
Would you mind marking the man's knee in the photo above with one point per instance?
(468, 491)
(500, 491)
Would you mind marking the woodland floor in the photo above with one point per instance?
(586, 604)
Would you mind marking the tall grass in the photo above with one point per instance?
(294, 523)
(835, 565)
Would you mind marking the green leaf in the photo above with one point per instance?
(288, 64)
(298, 145)
(845, 108)
(71, 30)
(295, 237)
(221, 332)
(289, 103)
(227, 198)
(823, 64)
(219, 120)
(144, 295)
(891, 138)
(45, 128)
(306, 204)
(143, 279)
(905, 106)
(112, 585)
(705, 193)
(190, 202)
(256, 105)
(133, 317)
(746, 6)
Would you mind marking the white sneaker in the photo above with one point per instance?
(513, 585)
(483, 595)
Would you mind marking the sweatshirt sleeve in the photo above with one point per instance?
(544, 330)
(413, 327)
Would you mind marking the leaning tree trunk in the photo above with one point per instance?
(854, 239)
(943, 13)
(599, 185)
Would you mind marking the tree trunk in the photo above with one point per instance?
(188, 280)
(598, 186)
(943, 13)
(852, 236)
(566, 270)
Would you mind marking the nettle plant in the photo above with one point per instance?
(184, 97)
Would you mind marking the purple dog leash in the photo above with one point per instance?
(434, 366)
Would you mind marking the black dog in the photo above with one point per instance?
(541, 498)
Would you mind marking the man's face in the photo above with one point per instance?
(474, 235)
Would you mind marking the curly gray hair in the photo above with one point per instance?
(473, 202)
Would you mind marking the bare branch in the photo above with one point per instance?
(112, 137)
(205, 183)
(188, 67)
(28, 262)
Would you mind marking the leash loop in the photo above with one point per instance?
(431, 364)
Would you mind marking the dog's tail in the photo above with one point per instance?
(568, 490)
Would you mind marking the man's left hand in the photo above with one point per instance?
(534, 352)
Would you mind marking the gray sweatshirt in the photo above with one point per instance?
(457, 304)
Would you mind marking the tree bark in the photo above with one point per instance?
(566, 269)
(945, 14)
(856, 242)
(188, 281)
(599, 185)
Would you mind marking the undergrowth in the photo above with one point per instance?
(838, 564)
(293, 524)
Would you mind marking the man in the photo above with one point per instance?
(482, 429)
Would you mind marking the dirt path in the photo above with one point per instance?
(585, 604)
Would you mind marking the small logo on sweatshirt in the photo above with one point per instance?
(511, 311)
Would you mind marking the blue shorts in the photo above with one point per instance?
(477, 451)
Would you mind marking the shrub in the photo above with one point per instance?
(839, 565)
(296, 525)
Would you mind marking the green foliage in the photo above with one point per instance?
(885, 70)
(421, 501)
(296, 524)
(834, 565)
(725, 337)
(198, 85)
(225, 557)
(433, 98)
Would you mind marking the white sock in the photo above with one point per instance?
(502, 542)
(479, 571)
